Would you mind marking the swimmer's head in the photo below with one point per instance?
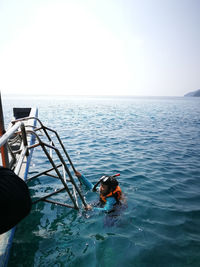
(109, 181)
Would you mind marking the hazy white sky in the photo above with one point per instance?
(116, 47)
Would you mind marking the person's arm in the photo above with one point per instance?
(111, 201)
(84, 180)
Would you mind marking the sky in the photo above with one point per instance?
(100, 47)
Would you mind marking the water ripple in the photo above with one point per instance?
(154, 144)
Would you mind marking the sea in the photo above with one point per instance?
(154, 143)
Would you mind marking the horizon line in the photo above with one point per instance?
(86, 95)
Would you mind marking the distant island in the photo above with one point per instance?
(194, 93)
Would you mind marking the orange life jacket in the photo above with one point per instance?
(116, 194)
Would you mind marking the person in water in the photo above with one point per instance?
(110, 194)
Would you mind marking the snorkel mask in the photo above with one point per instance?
(107, 180)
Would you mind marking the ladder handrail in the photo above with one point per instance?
(9, 133)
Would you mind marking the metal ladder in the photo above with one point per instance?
(17, 137)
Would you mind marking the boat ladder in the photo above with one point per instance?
(16, 140)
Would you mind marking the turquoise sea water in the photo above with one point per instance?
(155, 145)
